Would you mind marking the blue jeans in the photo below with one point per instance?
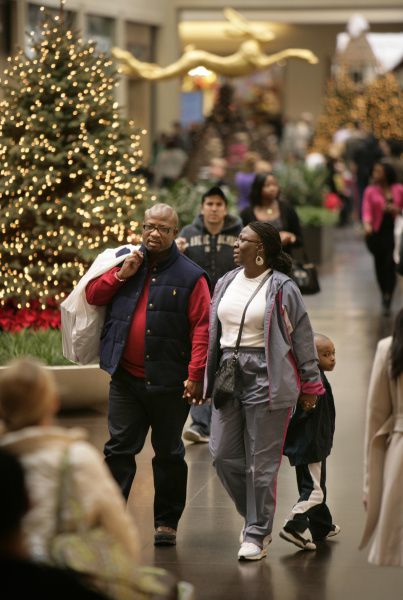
(132, 411)
(201, 418)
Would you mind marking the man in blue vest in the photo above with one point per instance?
(154, 345)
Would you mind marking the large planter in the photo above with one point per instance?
(318, 243)
(81, 386)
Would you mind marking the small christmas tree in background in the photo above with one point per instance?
(68, 161)
(377, 106)
(342, 105)
(384, 108)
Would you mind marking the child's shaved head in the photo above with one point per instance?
(326, 352)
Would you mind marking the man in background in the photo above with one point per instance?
(209, 242)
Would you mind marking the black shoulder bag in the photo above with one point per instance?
(305, 276)
(225, 380)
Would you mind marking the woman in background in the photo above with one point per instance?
(266, 204)
(383, 455)
(382, 201)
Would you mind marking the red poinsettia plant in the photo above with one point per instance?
(35, 317)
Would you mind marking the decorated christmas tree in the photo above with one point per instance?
(384, 107)
(68, 162)
(343, 104)
(378, 106)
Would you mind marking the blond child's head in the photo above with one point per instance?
(28, 394)
(326, 352)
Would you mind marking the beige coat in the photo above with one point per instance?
(383, 463)
(40, 450)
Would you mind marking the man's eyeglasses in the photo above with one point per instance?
(160, 228)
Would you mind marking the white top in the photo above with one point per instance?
(232, 306)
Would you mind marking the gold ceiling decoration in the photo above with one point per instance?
(249, 57)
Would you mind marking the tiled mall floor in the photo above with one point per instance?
(347, 310)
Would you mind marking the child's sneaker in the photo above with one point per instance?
(250, 551)
(302, 540)
(335, 530)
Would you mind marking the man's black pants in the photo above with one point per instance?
(132, 411)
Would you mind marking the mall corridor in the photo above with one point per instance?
(348, 311)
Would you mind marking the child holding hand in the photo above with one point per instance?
(308, 443)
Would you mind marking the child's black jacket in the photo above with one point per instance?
(310, 434)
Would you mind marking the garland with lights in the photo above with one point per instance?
(68, 162)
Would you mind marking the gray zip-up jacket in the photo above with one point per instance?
(292, 364)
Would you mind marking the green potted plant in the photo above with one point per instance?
(305, 188)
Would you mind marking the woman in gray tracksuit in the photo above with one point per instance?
(277, 367)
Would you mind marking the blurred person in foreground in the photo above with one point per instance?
(66, 474)
(209, 242)
(28, 404)
(383, 453)
(20, 576)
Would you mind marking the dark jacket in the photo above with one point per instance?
(288, 217)
(310, 434)
(167, 336)
(214, 253)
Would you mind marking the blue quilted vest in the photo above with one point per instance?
(167, 341)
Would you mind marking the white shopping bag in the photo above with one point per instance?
(81, 322)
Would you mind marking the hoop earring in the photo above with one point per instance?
(259, 260)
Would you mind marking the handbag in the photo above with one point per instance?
(305, 276)
(94, 553)
(225, 380)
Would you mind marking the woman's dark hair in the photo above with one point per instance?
(276, 258)
(396, 349)
(255, 196)
(389, 170)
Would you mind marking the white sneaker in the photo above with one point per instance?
(334, 531)
(192, 435)
(299, 539)
(266, 539)
(249, 551)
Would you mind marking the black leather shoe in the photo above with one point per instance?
(164, 536)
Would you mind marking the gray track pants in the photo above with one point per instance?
(246, 443)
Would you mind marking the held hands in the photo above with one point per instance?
(131, 265)
(307, 401)
(193, 392)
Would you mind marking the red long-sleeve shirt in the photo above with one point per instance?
(100, 291)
